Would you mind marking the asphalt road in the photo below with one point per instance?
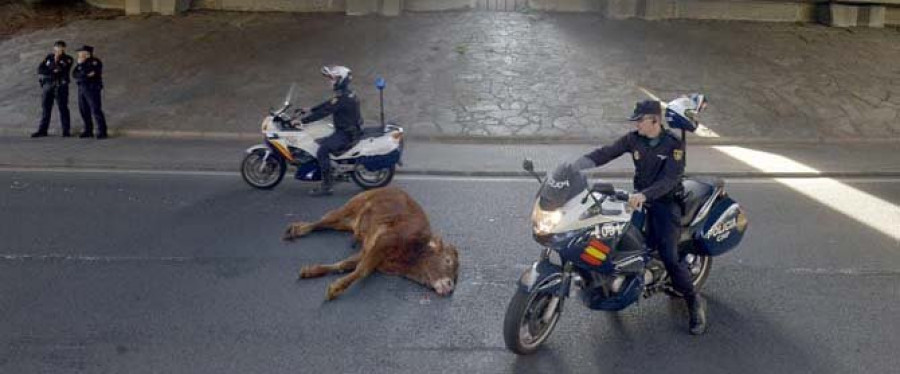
(104, 272)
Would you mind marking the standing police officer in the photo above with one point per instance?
(54, 80)
(344, 107)
(659, 168)
(89, 75)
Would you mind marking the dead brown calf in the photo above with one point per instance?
(395, 238)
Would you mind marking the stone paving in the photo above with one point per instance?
(477, 73)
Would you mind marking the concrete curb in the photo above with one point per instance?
(611, 174)
(480, 139)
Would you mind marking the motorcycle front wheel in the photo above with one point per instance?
(263, 172)
(367, 180)
(528, 322)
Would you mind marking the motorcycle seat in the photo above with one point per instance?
(346, 148)
(367, 132)
(371, 132)
(697, 191)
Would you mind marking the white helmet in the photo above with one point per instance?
(341, 75)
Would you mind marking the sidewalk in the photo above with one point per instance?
(459, 75)
(425, 158)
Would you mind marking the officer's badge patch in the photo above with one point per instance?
(334, 101)
(678, 154)
(637, 155)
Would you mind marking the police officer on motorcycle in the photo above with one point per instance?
(659, 167)
(344, 107)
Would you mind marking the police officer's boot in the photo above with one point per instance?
(326, 188)
(697, 310)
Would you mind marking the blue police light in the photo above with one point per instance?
(380, 83)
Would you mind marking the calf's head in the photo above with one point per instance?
(438, 267)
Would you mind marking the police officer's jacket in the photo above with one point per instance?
(62, 66)
(658, 169)
(89, 74)
(345, 108)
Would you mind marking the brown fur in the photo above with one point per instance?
(394, 236)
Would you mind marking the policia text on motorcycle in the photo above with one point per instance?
(659, 168)
(344, 107)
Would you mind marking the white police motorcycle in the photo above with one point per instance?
(370, 163)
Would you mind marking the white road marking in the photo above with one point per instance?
(861, 206)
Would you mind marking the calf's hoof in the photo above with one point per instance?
(296, 230)
(306, 272)
(333, 293)
(288, 235)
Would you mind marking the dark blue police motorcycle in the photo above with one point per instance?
(595, 250)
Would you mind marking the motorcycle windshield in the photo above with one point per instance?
(562, 184)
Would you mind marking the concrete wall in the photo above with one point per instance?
(108, 4)
(273, 5)
(748, 10)
(567, 5)
(768, 11)
(892, 16)
(437, 5)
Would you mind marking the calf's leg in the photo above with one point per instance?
(371, 258)
(335, 220)
(314, 271)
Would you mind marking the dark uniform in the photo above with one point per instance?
(89, 76)
(54, 80)
(659, 168)
(344, 106)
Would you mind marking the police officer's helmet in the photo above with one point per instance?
(341, 75)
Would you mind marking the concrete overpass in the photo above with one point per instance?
(840, 13)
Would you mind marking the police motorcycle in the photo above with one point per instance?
(594, 244)
(370, 163)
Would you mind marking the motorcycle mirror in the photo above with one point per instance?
(604, 188)
(380, 83)
(290, 95)
(528, 165)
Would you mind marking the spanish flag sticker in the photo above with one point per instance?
(595, 253)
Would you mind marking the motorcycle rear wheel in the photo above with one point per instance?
(700, 267)
(368, 180)
(524, 328)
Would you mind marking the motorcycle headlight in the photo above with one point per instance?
(544, 221)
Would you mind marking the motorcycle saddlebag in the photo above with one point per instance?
(723, 228)
(379, 162)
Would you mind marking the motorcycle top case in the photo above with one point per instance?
(723, 228)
